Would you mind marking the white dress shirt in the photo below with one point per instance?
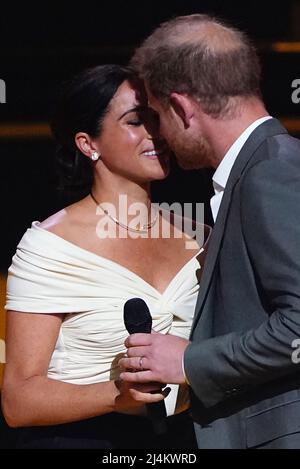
(222, 173)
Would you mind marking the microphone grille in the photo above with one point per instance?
(137, 317)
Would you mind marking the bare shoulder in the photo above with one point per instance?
(75, 223)
(62, 222)
(54, 220)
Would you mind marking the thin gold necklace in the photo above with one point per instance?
(143, 229)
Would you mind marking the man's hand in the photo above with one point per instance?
(154, 358)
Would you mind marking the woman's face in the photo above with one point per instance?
(129, 143)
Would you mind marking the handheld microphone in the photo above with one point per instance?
(137, 319)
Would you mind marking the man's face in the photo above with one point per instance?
(191, 148)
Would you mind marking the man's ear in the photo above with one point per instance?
(183, 106)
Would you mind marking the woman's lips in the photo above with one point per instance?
(154, 154)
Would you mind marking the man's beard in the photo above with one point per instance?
(192, 154)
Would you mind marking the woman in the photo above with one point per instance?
(73, 272)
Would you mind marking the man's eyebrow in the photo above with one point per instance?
(133, 109)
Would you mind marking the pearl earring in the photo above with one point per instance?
(95, 156)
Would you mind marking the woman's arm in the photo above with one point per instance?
(29, 397)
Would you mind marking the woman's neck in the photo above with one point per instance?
(122, 194)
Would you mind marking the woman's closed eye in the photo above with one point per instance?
(144, 117)
(135, 122)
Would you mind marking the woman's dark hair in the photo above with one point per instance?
(83, 103)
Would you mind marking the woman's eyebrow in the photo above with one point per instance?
(133, 109)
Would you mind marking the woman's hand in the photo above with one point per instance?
(134, 396)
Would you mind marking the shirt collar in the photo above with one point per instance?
(222, 172)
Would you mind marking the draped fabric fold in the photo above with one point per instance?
(51, 275)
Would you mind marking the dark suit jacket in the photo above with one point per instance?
(245, 385)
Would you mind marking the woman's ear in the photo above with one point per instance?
(84, 144)
(183, 107)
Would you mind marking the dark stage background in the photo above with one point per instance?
(44, 43)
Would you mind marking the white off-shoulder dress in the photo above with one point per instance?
(51, 275)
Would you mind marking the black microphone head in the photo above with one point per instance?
(137, 317)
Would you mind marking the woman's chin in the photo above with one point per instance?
(159, 177)
(161, 172)
(160, 169)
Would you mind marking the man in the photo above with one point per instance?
(202, 78)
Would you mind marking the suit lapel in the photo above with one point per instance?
(267, 129)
